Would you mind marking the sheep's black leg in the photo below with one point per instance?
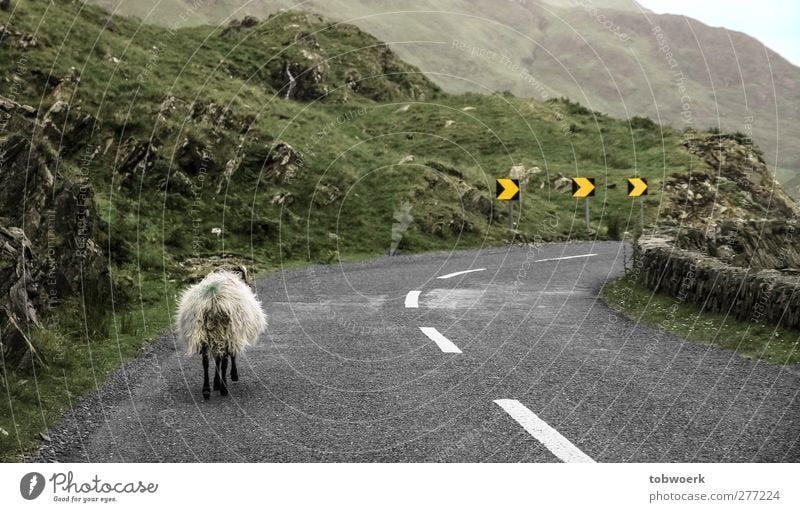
(234, 371)
(206, 387)
(223, 388)
(216, 373)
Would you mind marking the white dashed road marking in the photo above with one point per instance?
(566, 258)
(454, 274)
(444, 344)
(544, 433)
(412, 299)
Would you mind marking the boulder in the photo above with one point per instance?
(249, 21)
(519, 172)
(562, 183)
(326, 194)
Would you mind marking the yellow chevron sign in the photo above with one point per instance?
(637, 187)
(582, 187)
(507, 189)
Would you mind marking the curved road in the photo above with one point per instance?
(516, 362)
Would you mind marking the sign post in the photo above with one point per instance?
(583, 187)
(637, 187)
(508, 190)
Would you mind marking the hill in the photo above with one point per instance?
(613, 56)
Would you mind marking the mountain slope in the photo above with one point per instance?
(609, 55)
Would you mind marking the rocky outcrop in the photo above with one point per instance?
(729, 240)
(445, 181)
(732, 208)
(326, 194)
(134, 158)
(219, 117)
(48, 251)
(303, 77)
(283, 163)
(67, 128)
(236, 25)
(17, 39)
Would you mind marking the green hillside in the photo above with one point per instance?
(193, 152)
(611, 55)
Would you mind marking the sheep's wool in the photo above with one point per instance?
(220, 312)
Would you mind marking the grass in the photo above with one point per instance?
(752, 340)
(79, 356)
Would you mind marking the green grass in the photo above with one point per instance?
(80, 353)
(749, 339)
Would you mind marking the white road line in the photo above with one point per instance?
(544, 433)
(454, 274)
(412, 299)
(566, 258)
(444, 344)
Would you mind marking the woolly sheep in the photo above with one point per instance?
(220, 315)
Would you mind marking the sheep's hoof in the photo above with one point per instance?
(216, 386)
(235, 376)
(223, 390)
(206, 394)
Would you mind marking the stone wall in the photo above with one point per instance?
(768, 296)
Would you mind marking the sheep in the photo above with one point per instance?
(220, 315)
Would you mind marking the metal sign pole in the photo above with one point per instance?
(586, 212)
(641, 211)
(510, 215)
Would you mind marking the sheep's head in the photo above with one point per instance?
(239, 270)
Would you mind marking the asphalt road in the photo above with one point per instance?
(345, 373)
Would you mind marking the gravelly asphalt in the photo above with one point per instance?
(345, 374)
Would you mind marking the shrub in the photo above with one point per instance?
(642, 123)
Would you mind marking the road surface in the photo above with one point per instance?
(498, 355)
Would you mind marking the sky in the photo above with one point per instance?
(775, 23)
